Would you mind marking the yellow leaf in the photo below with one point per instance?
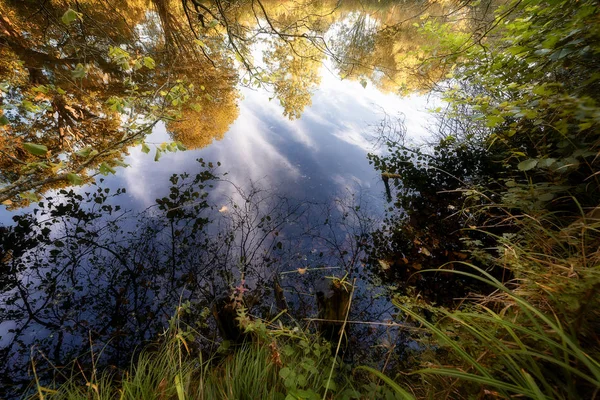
(183, 341)
(56, 167)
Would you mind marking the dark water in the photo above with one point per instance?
(289, 195)
(318, 160)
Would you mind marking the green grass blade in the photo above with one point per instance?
(399, 391)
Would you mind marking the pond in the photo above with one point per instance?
(151, 158)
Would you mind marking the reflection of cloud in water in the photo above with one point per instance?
(356, 138)
(259, 105)
(247, 147)
(313, 157)
(348, 183)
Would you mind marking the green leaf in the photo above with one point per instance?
(35, 149)
(546, 162)
(399, 391)
(179, 387)
(85, 152)
(145, 148)
(79, 72)
(527, 164)
(180, 146)
(363, 83)
(105, 169)
(70, 16)
(149, 62)
(56, 167)
(285, 372)
(329, 384)
(301, 379)
(493, 120)
(3, 120)
(158, 154)
(29, 106)
(74, 179)
(31, 196)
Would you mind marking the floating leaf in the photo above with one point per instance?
(363, 83)
(35, 149)
(3, 120)
(527, 164)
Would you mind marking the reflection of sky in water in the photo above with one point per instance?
(320, 155)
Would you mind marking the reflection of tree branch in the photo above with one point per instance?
(22, 185)
(12, 158)
(32, 314)
(198, 5)
(230, 36)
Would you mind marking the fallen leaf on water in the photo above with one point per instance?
(384, 264)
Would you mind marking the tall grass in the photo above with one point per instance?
(277, 363)
(536, 335)
(518, 350)
(167, 373)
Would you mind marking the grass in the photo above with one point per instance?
(278, 363)
(534, 336)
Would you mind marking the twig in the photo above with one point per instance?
(340, 339)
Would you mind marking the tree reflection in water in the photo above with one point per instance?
(80, 272)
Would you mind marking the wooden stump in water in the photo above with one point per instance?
(225, 312)
(333, 302)
(279, 295)
(385, 176)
